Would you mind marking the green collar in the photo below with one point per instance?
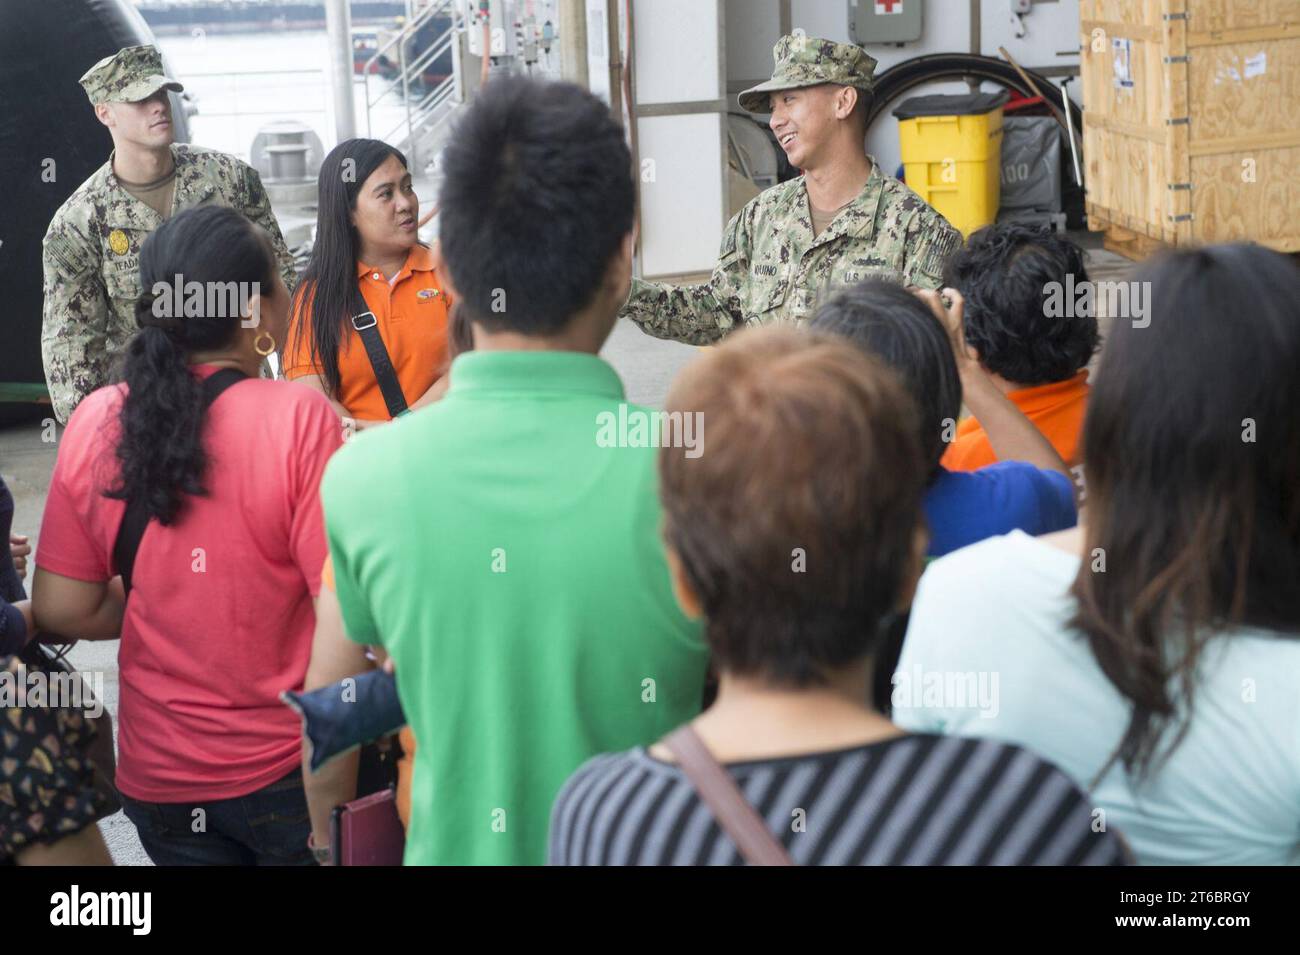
(531, 372)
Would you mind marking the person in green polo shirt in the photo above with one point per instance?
(502, 545)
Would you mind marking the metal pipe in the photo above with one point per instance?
(573, 42)
(338, 27)
(406, 101)
(1069, 127)
(1037, 92)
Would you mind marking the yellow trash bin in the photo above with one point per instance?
(951, 148)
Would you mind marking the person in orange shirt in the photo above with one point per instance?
(370, 314)
(1035, 352)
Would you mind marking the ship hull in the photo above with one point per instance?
(245, 17)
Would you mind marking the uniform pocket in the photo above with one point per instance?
(122, 278)
(772, 302)
(279, 821)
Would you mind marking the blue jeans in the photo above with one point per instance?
(267, 827)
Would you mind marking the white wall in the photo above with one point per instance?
(676, 51)
(682, 202)
(753, 27)
(681, 158)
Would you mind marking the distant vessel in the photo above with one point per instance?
(365, 44)
(375, 22)
(368, 41)
(181, 16)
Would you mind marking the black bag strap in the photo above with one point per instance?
(131, 531)
(367, 326)
(734, 813)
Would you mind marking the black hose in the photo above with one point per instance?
(909, 74)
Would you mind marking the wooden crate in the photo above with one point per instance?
(1191, 124)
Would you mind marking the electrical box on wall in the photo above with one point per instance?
(516, 28)
(884, 21)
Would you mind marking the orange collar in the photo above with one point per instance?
(419, 259)
(1051, 395)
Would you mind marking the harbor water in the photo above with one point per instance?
(240, 82)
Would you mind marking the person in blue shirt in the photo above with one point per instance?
(1029, 488)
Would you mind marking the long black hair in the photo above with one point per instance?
(328, 291)
(1193, 447)
(161, 449)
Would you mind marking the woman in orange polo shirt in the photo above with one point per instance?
(370, 314)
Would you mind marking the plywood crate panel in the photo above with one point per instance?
(1191, 124)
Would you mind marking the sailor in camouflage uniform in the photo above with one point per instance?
(92, 247)
(781, 254)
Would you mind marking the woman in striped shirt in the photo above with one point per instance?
(798, 536)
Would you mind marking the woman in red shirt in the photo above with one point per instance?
(221, 597)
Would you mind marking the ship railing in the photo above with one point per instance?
(398, 39)
(426, 112)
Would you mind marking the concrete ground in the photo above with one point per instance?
(646, 365)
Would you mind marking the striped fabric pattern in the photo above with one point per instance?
(911, 800)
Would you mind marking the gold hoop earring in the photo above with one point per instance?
(268, 349)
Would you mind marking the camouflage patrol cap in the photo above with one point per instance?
(807, 61)
(131, 74)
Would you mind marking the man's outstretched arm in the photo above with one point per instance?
(697, 314)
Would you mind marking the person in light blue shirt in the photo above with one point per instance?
(922, 340)
(1154, 652)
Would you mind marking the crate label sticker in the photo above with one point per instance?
(1122, 62)
(1253, 66)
